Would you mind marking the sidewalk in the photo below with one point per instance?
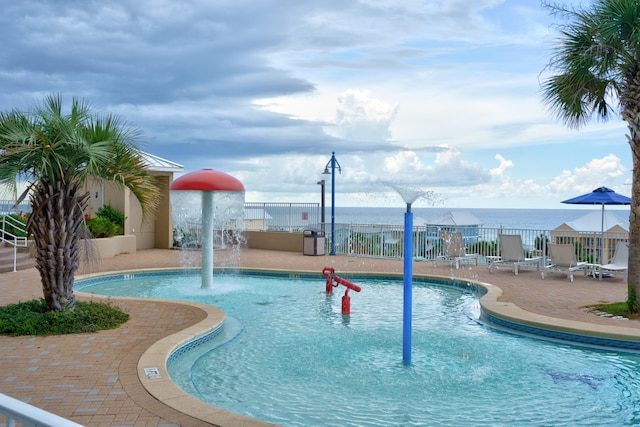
(92, 378)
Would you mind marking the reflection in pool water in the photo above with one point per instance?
(296, 361)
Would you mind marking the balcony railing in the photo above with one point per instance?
(386, 241)
(290, 217)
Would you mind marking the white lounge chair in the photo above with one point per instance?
(563, 260)
(512, 254)
(453, 249)
(619, 263)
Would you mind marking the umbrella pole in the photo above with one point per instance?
(602, 241)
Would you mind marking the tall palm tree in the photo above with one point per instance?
(56, 153)
(596, 72)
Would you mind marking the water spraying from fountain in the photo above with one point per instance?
(409, 195)
(222, 205)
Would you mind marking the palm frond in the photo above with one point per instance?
(597, 53)
(46, 144)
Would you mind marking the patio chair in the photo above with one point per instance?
(619, 262)
(454, 250)
(512, 254)
(563, 260)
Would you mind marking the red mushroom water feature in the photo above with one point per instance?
(208, 181)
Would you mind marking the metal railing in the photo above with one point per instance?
(386, 241)
(9, 226)
(16, 411)
(9, 206)
(290, 217)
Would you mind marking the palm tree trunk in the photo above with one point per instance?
(631, 114)
(55, 224)
(634, 229)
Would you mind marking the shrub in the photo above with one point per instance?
(107, 222)
(113, 215)
(541, 243)
(32, 318)
(9, 228)
(103, 227)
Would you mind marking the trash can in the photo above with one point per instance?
(313, 242)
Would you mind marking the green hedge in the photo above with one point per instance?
(107, 222)
(9, 228)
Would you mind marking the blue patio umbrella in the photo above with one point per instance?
(600, 196)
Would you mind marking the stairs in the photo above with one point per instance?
(24, 259)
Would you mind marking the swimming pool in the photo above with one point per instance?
(297, 361)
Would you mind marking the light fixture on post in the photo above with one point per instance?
(333, 163)
(321, 183)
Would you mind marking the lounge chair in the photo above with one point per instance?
(619, 262)
(563, 260)
(512, 254)
(453, 248)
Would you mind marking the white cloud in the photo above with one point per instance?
(504, 190)
(594, 174)
(504, 165)
(267, 92)
(361, 117)
(403, 161)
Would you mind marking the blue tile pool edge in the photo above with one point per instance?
(556, 335)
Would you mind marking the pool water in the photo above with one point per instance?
(295, 360)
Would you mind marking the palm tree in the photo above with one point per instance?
(596, 71)
(56, 153)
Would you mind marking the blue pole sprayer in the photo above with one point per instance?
(408, 283)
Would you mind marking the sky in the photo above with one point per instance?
(438, 97)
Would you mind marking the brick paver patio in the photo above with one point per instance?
(92, 378)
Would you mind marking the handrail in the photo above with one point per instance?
(386, 241)
(17, 411)
(12, 239)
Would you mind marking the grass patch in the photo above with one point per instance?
(617, 309)
(32, 318)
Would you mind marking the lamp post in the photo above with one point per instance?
(321, 183)
(333, 163)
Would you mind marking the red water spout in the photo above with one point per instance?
(329, 273)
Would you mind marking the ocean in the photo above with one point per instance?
(536, 219)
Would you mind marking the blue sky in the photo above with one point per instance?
(440, 96)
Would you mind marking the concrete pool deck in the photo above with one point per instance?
(93, 379)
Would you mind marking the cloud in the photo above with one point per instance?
(447, 169)
(422, 92)
(361, 117)
(529, 192)
(501, 169)
(586, 178)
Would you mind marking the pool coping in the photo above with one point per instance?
(152, 365)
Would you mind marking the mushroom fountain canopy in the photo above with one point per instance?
(229, 205)
(207, 180)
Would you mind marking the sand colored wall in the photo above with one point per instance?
(163, 236)
(150, 233)
(274, 240)
(111, 246)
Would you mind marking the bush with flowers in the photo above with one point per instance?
(107, 222)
